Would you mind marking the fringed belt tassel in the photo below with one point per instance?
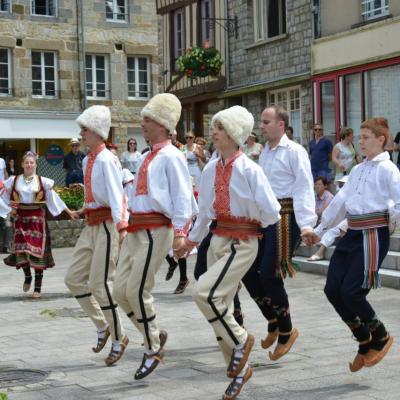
(151, 220)
(285, 266)
(96, 216)
(369, 223)
(237, 227)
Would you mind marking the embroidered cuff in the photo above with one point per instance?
(190, 243)
(123, 225)
(180, 233)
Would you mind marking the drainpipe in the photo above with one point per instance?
(227, 60)
(81, 52)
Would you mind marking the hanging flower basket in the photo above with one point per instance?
(199, 62)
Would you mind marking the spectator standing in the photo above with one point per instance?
(252, 148)
(396, 147)
(73, 163)
(3, 170)
(131, 157)
(12, 169)
(290, 133)
(321, 153)
(194, 155)
(344, 154)
(322, 196)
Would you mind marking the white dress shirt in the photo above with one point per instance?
(372, 186)
(288, 170)
(250, 196)
(28, 191)
(169, 189)
(103, 185)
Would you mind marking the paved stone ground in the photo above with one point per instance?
(50, 340)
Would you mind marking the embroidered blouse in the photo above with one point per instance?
(27, 193)
(288, 170)
(103, 184)
(163, 185)
(241, 191)
(372, 186)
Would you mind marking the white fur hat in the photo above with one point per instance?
(97, 119)
(237, 122)
(164, 108)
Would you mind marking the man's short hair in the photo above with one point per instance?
(281, 114)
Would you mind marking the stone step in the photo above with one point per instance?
(389, 277)
(391, 261)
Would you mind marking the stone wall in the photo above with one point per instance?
(136, 37)
(65, 233)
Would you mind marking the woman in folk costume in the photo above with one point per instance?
(235, 192)
(29, 195)
(161, 206)
(370, 199)
(93, 265)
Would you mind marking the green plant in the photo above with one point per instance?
(3, 396)
(199, 62)
(73, 196)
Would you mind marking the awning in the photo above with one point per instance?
(37, 128)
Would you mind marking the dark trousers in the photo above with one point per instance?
(346, 275)
(74, 177)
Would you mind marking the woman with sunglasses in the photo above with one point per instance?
(130, 158)
(195, 157)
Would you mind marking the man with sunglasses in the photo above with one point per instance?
(73, 163)
(321, 153)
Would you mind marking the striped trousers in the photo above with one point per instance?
(228, 261)
(91, 274)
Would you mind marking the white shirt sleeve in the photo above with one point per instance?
(53, 201)
(303, 190)
(181, 194)
(264, 197)
(393, 183)
(112, 173)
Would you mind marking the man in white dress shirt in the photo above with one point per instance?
(161, 206)
(93, 266)
(287, 167)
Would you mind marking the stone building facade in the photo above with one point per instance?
(59, 56)
(270, 63)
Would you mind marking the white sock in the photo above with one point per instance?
(116, 345)
(243, 371)
(101, 333)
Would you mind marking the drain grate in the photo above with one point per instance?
(19, 377)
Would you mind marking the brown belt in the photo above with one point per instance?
(237, 227)
(96, 216)
(151, 220)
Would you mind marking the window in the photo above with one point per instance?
(5, 72)
(5, 5)
(289, 99)
(371, 9)
(96, 76)
(206, 33)
(138, 78)
(44, 83)
(179, 34)
(352, 85)
(117, 10)
(44, 7)
(269, 18)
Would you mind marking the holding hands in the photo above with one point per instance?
(309, 237)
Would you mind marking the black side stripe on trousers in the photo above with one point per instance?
(107, 266)
(220, 317)
(214, 288)
(111, 307)
(130, 315)
(81, 296)
(142, 282)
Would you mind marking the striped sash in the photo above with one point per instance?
(369, 223)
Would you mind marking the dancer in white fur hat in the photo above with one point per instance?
(161, 206)
(93, 266)
(235, 192)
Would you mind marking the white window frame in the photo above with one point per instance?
(206, 5)
(9, 78)
(43, 76)
(33, 9)
(178, 51)
(94, 77)
(287, 106)
(137, 83)
(370, 11)
(260, 17)
(116, 12)
(9, 7)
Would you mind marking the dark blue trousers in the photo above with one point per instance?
(346, 275)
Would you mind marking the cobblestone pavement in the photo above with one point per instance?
(45, 348)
